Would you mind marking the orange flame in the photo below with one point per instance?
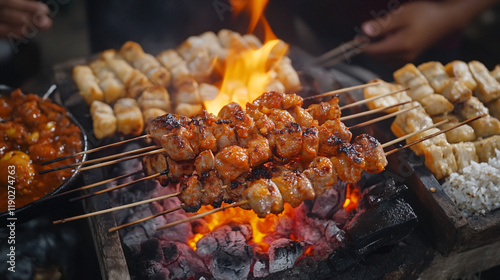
(248, 72)
(351, 198)
(260, 227)
(255, 8)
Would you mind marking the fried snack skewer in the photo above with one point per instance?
(385, 145)
(432, 135)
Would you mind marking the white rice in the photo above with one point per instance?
(476, 188)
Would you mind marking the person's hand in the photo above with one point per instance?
(17, 15)
(409, 30)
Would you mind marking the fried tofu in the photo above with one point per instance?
(435, 74)
(485, 149)
(463, 133)
(488, 88)
(440, 160)
(436, 104)
(460, 70)
(385, 88)
(464, 153)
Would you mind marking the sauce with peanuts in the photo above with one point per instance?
(33, 131)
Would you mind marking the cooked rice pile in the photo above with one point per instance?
(476, 188)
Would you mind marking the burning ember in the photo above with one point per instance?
(352, 198)
(260, 227)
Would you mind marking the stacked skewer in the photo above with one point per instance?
(273, 152)
(455, 92)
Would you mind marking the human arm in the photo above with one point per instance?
(15, 15)
(404, 33)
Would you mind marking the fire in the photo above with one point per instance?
(351, 198)
(260, 227)
(247, 73)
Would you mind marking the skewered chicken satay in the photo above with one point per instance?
(111, 86)
(322, 174)
(488, 89)
(160, 163)
(157, 163)
(146, 63)
(384, 88)
(373, 153)
(87, 84)
(128, 116)
(103, 119)
(460, 70)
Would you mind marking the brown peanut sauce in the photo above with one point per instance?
(33, 131)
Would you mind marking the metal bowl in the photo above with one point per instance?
(42, 205)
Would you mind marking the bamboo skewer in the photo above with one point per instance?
(371, 99)
(96, 149)
(245, 201)
(413, 133)
(116, 208)
(333, 92)
(383, 117)
(369, 112)
(122, 159)
(431, 135)
(202, 215)
(98, 183)
(100, 159)
(119, 186)
(113, 229)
